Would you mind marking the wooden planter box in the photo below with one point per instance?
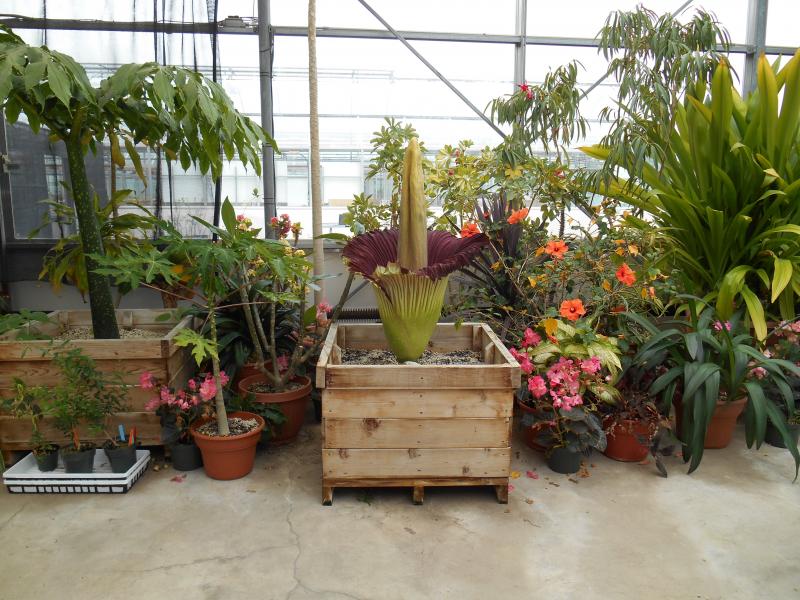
(416, 425)
(30, 362)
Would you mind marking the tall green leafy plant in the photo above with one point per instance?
(725, 191)
(191, 118)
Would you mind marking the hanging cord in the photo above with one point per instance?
(170, 181)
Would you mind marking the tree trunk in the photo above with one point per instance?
(101, 302)
(316, 191)
(219, 400)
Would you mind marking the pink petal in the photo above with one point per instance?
(510, 487)
(531, 474)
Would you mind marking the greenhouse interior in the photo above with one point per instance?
(400, 287)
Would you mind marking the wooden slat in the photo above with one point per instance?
(414, 481)
(446, 338)
(422, 462)
(324, 355)
(15, 433)
(415, 404)
(416, 433)
(46, 373)
(422, 376)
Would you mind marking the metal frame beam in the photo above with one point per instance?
(521, 47)
(756, 41)
(266, 47)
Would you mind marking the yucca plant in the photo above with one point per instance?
(408, 267)
(725, 191)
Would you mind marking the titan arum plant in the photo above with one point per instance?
(409, 266)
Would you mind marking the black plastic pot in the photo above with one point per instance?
(773, 436)
(78, 462)
(564, 461)
(122, 458)
(47, 462)
(186, 457)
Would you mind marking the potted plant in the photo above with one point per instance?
(632, 420)
(121, 450)
(178, 410)
(713, 373)
(567, 368)
(783, 344)
(31, 405)
(225, 274)
(283, 333)
(84, 397)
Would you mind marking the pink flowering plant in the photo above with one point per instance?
(569, 370)
(179, 408)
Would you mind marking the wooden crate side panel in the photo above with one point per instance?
(422, 377)
(416, 404)
(416, 433)
(413, 462)
(15, 433)
(41, 350)
(181, 366)
(46, 373)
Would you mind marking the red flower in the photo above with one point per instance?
(626, 275)
(572, 309)
(517, 216)
(556, 248)
(469, 229)
(523, 87)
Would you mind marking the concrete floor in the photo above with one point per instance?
(729, 531)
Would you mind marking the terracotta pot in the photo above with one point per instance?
(292, 404)
(229, 457)
(623, 439)
(721, 424)
(531, 433)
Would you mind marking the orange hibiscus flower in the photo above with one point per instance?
(556, 248)
(517, 216)
(469, 229)
(626, 275)
(572, 309)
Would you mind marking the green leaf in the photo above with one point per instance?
(59, 82)
(228, 215)
(136, 160)
(781, 277)
(756, 312)
(202, 348)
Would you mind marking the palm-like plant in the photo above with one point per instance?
(191, 118)
(725, 191)
(707, 360)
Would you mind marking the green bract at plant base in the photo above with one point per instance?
(725, 192)
(408, 267)
(191, 118)
(706, 360)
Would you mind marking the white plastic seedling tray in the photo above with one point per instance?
(26, 478)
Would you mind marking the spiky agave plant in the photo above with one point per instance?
(408, 267)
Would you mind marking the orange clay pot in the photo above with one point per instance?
(623, 439)
(228, 457)
(292, 404)
(721, 424)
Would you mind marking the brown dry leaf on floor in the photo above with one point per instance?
(554, 483)
(156, 468)
(572, 480)
(515, 474)
(251, 491)
(529, 500)
(584, 472)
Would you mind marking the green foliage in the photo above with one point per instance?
(654, 59)
(546, 114)
(725, 192)
(26, 319)
(389, 147)
(30, 406)
(202, 348)
(83, 395)
(364, 214)
(175, 109)
(64, 262)
(704, 362)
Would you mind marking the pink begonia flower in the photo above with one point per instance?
(537, 386)
(195, 398)
(526, 366)
(147, 381)
(516, 354)
(531, 338)
(283, 363)
(323, 308)
(719, 325)
(166, 395)
(208, 389)
(759, 372)
(223, 378)
(153, 404)
(591, 365)
(192, 385)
